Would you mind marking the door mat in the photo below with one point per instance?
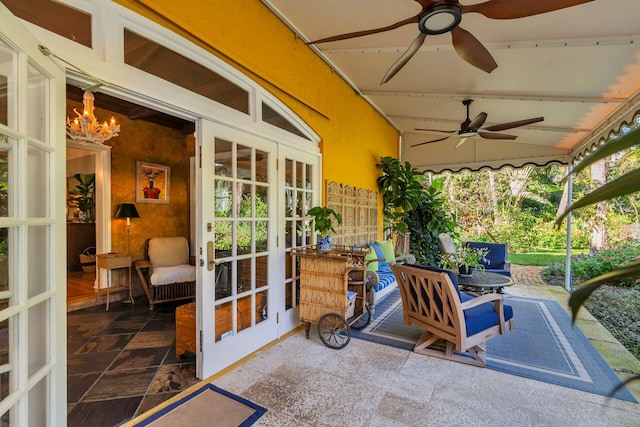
(206, 406)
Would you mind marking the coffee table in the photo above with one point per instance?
(483, 281)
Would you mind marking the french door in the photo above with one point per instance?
(254, 195)
(32, 232)
(237, 298)
(299, 177)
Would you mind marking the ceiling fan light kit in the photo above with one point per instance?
(440, 18)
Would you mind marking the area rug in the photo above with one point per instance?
(543, 346)
(206, 406)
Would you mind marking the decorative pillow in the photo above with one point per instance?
(387, 250)
(371, 266)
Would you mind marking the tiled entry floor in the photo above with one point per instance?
(122, 362)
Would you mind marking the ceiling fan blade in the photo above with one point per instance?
(511, 9)
(471, 50)
(462, 141)
(478, 121)
(402, 61)
(435, 130)
(427, 3)
(489, 135)
(412, 20)
(435, 140)
(511, 125)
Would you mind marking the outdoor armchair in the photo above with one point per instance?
(456, 325)
(497, 258)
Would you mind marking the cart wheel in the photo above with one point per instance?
(364, 320)
(334, 331)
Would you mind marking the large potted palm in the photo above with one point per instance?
(323, 218)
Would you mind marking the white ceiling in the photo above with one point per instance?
(576, 67)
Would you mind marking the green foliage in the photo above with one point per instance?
(465, 257)
(323, 218)
(587, 267)
(429, 218)
(224, 232)
(624, 321)
(401, 189)
(83, 192)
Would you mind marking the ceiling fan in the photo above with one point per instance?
(441, 16)
(470, 128)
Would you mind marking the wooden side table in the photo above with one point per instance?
(186, 329)
(111, 262)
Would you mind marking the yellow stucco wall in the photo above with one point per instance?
(248, 36)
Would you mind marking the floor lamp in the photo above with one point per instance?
(128, 211)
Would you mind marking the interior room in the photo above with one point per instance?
(148, 136)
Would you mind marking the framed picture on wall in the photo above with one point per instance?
(152, 183)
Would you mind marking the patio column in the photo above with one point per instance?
(567, 275)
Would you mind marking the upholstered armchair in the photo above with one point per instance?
(167, 275)
(456, 325)
(497, 258)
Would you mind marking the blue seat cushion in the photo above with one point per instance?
(497, 255)
(479, 318)
(385, 277)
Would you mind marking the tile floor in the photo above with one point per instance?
(122, 362)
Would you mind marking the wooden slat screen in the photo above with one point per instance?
(359, 210)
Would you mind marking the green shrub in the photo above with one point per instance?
(428, 219)
(623, 321)
(586, 267)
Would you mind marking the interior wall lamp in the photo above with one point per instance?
(128, 211)
(87, 128)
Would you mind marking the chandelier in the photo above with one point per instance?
(86, 128)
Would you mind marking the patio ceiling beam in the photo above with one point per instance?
(524, 44)
(499, 96)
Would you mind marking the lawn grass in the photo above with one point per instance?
(541, 257)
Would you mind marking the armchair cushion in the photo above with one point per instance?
(168, 251)
(385, 277)
(173, 274)
(497, 255)
(483, 316)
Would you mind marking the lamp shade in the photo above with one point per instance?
(127, 210)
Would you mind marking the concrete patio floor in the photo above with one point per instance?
(303, 383)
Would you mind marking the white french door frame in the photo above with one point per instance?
(217, 355)
(36, 221)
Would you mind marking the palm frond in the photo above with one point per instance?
(626, 184)
(612, 146)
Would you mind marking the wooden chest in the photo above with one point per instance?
(186, 329)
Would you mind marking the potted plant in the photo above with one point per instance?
(83, 195)
(323, 218)
(401, 189)
(465, 260)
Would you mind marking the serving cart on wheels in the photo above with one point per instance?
(333, 292)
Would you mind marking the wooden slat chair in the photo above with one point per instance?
(168, 274)
(456, 325)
